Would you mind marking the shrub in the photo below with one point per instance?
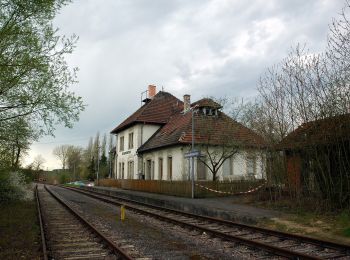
(12, 186)
(63, 178)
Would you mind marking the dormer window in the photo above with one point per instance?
(209, 111)
(208, 107)
(204, 111)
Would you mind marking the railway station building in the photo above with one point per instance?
(155, 141)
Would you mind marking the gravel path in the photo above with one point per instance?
(222, 207)
(153, 238)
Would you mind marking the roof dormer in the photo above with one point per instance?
(207, 107)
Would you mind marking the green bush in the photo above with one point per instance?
(12, 186)
(63, 178)
(343, 220)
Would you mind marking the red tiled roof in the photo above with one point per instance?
(214, 130)
(157, 111)
(320, 132)
(206, 102)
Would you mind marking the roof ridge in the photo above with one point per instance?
(156, 111)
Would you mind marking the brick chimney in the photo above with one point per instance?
(187, 103)
(152, 90)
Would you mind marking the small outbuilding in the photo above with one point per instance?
(317, 155)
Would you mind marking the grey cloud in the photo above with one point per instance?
(193, 47)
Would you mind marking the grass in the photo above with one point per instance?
(305, 220)
(20, 232)
(343, 222)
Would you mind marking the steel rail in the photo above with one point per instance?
(266, 247)
(116, 250)
(42, 234)
(318, 242)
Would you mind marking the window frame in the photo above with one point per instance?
(170, 168)
(131, 140)
(121, 143)
(251, 159)
(160, 168)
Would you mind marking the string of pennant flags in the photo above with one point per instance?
(231, 193)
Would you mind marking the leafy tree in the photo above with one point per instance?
(34, 76)
(103, 167)
(110, 154)
(96, 147)
(15, 140)
(91, 169)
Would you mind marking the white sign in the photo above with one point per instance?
(192, 154)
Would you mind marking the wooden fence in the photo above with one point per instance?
(203, 189)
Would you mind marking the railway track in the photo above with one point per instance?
(68, 235)
(277, 243)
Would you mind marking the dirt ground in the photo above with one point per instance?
(332, 226)
(19, 229)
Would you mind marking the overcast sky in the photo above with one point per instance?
(197, 47)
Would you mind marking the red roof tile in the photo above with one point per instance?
(156, 111)
(206, 102)
(213, 130)
(320, 132)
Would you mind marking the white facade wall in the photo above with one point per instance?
(182, 168)
(178, 163)
(239, 166)
(141, 133)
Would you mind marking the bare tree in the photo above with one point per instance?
(38, 162)
(214, 137)
(214, 156)
(61, 153)
(74, 158)
(304, 89)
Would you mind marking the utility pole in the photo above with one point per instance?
(98, 164)
(192, 158)
(192, 154)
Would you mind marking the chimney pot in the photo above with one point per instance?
(187, 103)
(152, 89)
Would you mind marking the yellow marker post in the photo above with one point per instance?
(122, 212)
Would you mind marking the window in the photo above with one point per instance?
(131, 141)
(251, 167)
(227, 167)
(122, 170)
(121, 143)
(160, 168)
(148, 169)
(130, 169)
(201, 170)
(170, 168)
(143, 171)
(152, 171)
